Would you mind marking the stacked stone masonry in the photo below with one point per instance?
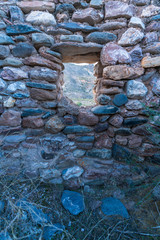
(43, 132)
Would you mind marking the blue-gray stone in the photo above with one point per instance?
(120, 99)
(49, 105)
(2, 25)
(76, 129)
(123, 132)
(2, 206)
(41, 86)
(15, 138)
(75, 27)
(48, 114)
(113, 206)
(42, 39)
(107, 109)
(31, 112)
(121, 154)
(85, 139)
(65, 8)
(55, 54)
(18, 29)
(23, 50)
(136, 54)
(4, 51)
(99, 153)
(101, 37)
(20, 38)
(155, 18)
(10, 61)
(80, 4)
(36, 214)
(104, 119)
(100, 127)
(131, 122)
(20, 95)
(103, 99)
(5, 236)
(50, 231)
(73, 202)
(5, 40)
(16, 14)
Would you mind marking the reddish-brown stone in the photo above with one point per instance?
(116, 120)
(121, 140)
(32, 122)
(87, 118)
(103, 141)
(48, 56)
(134, 141)
(10, 118)
(43, 95)
(39, 61)
(88, 15)
(108, 82)
(112, 54)
(110, 91)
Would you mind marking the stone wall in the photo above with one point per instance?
(45, 134)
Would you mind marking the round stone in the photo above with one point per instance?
(120, 99)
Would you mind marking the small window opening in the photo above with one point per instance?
(79, 83)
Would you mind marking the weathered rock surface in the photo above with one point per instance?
(136, 89)
(5, 40)
(113, 54)
(71, 38)
(42, 39)
(131, 37)
(101, 37)
(4, 51)
(150, 11)
(54, 125)
(44, 74)
(19, 29)
(10, 118)
(73, 202)
(148, 62)
(72, 172)
(23, 50)
(117, 9)
(136, 22)
(28, 6)
(38, 18)
(42, 95)
(102, 110)
(89, 15)
(119, 72)
(32, 122)
(13, 74)
(87, 118)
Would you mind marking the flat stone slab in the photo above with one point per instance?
(113, 206)
(18, 29)
(75, 27)
(73, 202)
(71, 49)
(102, 110)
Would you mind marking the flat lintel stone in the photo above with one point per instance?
(72, 49)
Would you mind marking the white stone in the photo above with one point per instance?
(136, 22)
(150, 11)
(13, 87)
(9, 102)
(134, 105)
(75, 171)
(136, 89)
(3, 84)
(131, 37)
(38, 18)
